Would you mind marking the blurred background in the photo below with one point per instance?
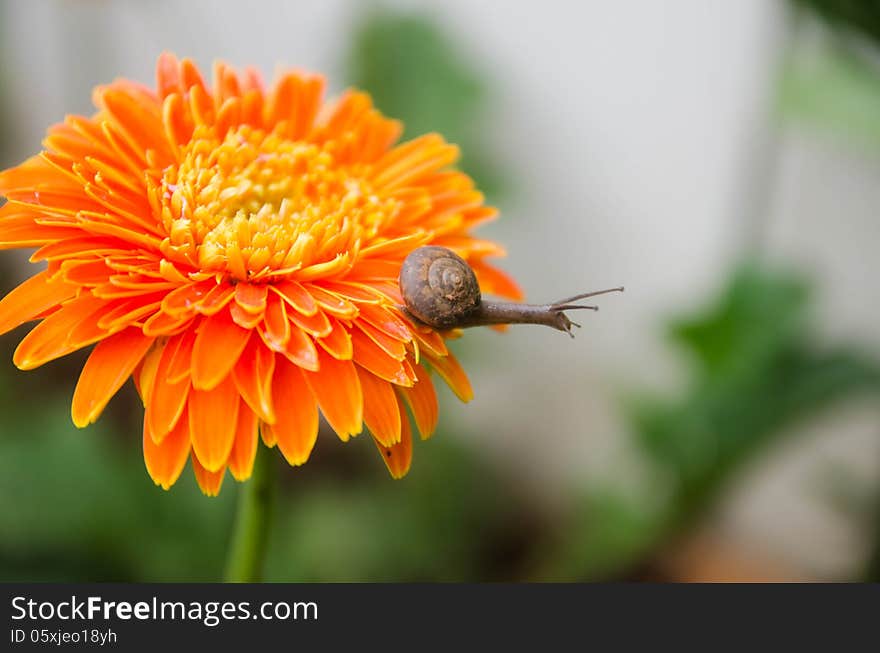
(718, 421)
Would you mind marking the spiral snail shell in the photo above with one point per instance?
(439, 287)
(441, 290)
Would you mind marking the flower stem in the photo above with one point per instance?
(253, 520)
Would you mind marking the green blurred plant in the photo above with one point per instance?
(757, 369)
(839, 88)
(78, 505)
(453, 518)
(416, 72)
(836, 89)
(860, 16)
(836, 86)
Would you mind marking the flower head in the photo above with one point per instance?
(235, 249)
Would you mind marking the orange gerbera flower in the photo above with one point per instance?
(236, 251)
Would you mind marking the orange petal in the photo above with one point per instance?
(244, 449)
(242, 318)
(422, 401)
(180, 364)
(267, 435)
(386, 321)
(226, 83)
(252, 108)
(167, 75)
(209, 482)
(26, 234)
(129, 312)
(176, 119)
(297, 296)
(450, 371)
(213, 417)
(317, 325)
(301, 350)
(218, 345)
(392, 346)
(399, 456)
(332, 303)
(375, 269)
(141, 127)
(369, 355)
(48, 340)
(411, 162)
(85, 273)
(431, 341)
(296, 428)
(31, 298)
(338, 390)
(167, 398)
(166, 460)
(337, 343)
(108, 367)
(251, 297)
(228, 116)
(277, 326)
(88, 329)
(183, 300)
(162, 324)
(282, 99)
(86, 246)
(381, 412)
(144, 374)
(253, 378)
(190, 76)
(353, 291)
(215, 299)
(201, 106)
(308, 103)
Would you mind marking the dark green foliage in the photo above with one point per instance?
(863, 16)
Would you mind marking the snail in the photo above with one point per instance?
(441, 290)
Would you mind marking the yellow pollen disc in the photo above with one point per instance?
(257, 204)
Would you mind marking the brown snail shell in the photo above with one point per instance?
(441, 290)
(439, 287)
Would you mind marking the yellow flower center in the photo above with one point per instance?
(257, 204)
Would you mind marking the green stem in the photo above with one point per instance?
(250, 535)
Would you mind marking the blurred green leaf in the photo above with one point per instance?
(606, 533)
(758, 370)
(756, 316)
(452, 520)
(417, 73)
(77, 506)
(836, 89)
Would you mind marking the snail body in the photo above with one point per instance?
(441, 290)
